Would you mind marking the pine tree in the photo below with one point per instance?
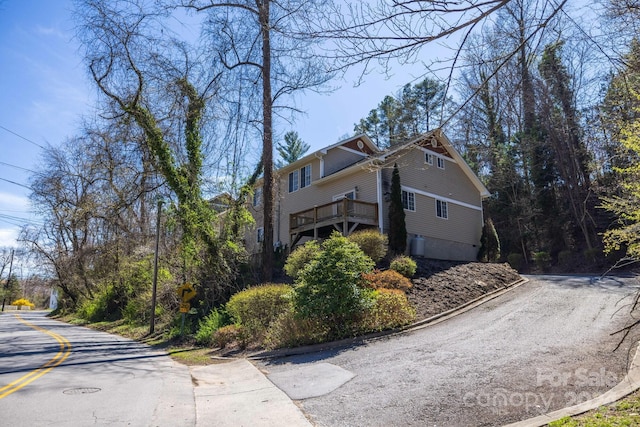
(292, 149)
(397, 226)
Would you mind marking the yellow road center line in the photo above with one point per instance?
(63, 353)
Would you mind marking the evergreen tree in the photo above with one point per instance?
(397, 226)
(292, 149)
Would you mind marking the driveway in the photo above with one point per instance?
(540, 347)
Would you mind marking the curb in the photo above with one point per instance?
(629, 384)
(347, 342)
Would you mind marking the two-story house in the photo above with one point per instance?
(346, 187)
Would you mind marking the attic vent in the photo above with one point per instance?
(360, 144)
(434, 143)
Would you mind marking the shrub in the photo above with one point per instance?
(391, 310)
(230, 334)
(215, 320)
(542, 260)
(331, 287)
(301, 257)
(255, 308)
(404, 265)
(564, 257)
(515, 260)
(372, 242)
(388, 279)
(289, 330)
(22, 302)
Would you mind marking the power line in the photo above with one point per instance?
(17, 167)
(16, 183)
(22, 137)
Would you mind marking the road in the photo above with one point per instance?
(54, 374)
(540, 347)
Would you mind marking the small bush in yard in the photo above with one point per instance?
(391, 310)
(289, 330)
(230, 334)
(255, 308)
(404, 265)
(301, 257)
(330, 289)
(372, 242)
(209, 325)
(515, 260)
(22, 302)
(388, 279)
(542, 260)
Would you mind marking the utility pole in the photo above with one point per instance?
(155, 271)
(6, 285)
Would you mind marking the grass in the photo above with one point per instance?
(623, 413)
(180, 350)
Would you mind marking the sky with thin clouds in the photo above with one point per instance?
(44, 91)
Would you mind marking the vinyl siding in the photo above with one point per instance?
(337, 159)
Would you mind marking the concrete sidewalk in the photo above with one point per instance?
(237, 394)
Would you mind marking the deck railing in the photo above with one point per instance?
(340, 210)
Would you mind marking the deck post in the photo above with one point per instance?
(345, 221)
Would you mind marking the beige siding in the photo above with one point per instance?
(457, 237)
(449, 182)
(306, 198)
(337, 159)
(464, 224)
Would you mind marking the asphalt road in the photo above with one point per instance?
(54, 374)
(540, 347)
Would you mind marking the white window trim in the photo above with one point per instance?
(446, 208)
(440, 162)
(408, 204)
(295, 174)
(302, 176)
(257, 197)
(343, 195)
(445, 199)
(428, 158)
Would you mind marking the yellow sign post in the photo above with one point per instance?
(185, 307)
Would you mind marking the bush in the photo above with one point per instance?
(404, 265)
(255, 308)
(207, 327)
(22, 302)
(289, 330)
(565, 257)
(372, 242)
(391, 310)
(542, 260)
(330, 289)
(388, 279)
(230, 334)
(515, 260)
(301, 257)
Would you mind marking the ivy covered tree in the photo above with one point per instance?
(397, 225)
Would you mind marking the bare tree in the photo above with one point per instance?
(264, 41)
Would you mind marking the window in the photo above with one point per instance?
(409, 200)
(442, 210)
(260, 235)
(440, 162)
(257, 197)
(300, 178)
(428, 158)
(305, 176)
(293, 181)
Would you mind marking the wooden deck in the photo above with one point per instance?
(344, 215)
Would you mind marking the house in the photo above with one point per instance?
(346, 187)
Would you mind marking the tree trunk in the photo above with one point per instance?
(267, 141)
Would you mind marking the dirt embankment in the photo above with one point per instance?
(443, 285)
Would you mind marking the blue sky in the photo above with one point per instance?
(45, 90)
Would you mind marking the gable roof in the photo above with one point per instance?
(438, 136)
(368, 148)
